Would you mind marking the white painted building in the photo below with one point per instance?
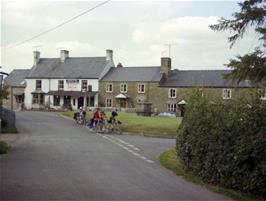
(65, 82)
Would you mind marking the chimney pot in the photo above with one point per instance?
(64, 54)
(36, 57)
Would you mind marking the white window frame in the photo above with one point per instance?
(123, 88)
(171, 107)
(262, 94)
(140, 91)
(38, 84)
(60, 85)
(109, 102)
(227, 95)
(84, 85)
(108, 90)
(172, 93)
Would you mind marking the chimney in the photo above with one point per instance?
(109, 55)
(166, 66)
(119, 65)
(36, 57)
(63, 55)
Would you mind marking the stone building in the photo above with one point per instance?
(166, 89)
(16, 87)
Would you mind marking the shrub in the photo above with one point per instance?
(4, 147)
(225, 143)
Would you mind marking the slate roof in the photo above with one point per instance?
(73, 67)
(16, 77)
(130, 74)
(201, 78)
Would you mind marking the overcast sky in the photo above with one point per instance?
(136, 31)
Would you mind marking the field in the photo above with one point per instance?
(131, 122)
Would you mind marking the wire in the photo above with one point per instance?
(56, 27)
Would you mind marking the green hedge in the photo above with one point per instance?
(225, 143)
(4, 147)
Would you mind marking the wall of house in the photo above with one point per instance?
(132, 93)
(7, 102)
(159, 96)
(52, 85)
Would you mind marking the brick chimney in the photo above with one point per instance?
(36, 57)
(166, 66)
(64, 54)
(109, 55)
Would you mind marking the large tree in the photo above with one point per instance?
(251, 66)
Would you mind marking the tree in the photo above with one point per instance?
(4, 94)
(251, 66)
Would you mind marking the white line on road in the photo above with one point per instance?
(119, 142)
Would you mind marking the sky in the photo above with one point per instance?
(138, 32)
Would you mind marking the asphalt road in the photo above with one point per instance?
(55, 159)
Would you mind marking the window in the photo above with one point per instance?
(227, 94)
(123, 88)
(38, 84)
(171, 107)
(108, 102)
(141, 88)
(84, 85)
(38, 98)
(60, 84)
(262, 94)
(109, 87)
(89, 88)
(172, 93)
(57, 100)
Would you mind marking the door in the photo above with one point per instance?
(80, 102)
(123, 103)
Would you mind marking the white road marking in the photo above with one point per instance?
(122, 143)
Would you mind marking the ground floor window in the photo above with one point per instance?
(90, 101)
(171, 107)
(38, 99)
(56, 100)
(67, 100)
(109, 102)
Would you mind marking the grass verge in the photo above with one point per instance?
(156, 126)
(170, 160)
(11, 129)
(4, 147)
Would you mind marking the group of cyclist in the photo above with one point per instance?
(99, 121)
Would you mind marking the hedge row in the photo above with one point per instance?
(225, 143)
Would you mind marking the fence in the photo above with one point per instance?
(8, 118)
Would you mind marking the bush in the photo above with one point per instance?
(225, 143)
(4, 147)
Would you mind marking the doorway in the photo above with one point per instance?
(80, 102)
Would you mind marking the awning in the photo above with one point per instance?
(72, 93)
(182, 102)
(121, 96)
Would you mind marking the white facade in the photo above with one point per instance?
(52, 85)
(67, 92)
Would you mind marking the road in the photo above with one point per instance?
(55, 159)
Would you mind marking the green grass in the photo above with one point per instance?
(131, 122)
(170, 160)
(4, 147)
(10, 129)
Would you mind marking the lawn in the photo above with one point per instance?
(131, 122)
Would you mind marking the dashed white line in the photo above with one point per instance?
(117, 140)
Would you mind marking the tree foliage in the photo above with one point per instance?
(252, 14)
(4, 94)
